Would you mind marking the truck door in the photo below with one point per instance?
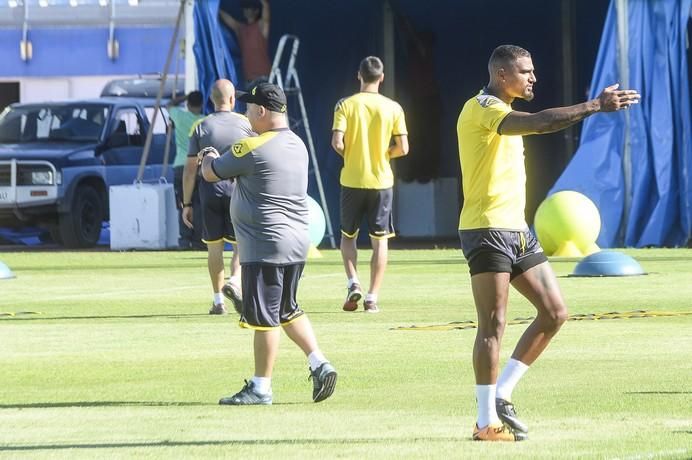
(158, 142)
(124, 146)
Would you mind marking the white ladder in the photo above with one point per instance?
(290, 83)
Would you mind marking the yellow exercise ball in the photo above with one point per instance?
(567, 224)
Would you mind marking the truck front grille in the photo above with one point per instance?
(5, 175)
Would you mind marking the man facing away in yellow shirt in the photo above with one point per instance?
(364, 125)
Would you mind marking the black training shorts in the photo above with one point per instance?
(269, 295)
(375, 204)
(215, 200)
(501, 251)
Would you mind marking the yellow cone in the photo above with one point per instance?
(568, 249)
(314, 253)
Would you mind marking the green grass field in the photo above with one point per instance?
(122, 361)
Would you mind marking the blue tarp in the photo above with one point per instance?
(212, 48)
(659, 129)
(326, 75)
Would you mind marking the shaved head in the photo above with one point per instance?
(222, 93)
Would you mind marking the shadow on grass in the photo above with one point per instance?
(77, 404)
(69, 318)
(230, 442)
(658, 392)
(55, 405)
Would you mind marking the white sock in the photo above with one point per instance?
(235, 280)
(510, 376)
(262, 385)
(351, 282)
(485, 397)
(371, 297)
(315, 359)
(218, 298)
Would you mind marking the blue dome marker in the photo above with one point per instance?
(608, 263)
(5, 272)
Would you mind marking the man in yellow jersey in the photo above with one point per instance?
(364, 125)
(494, 235)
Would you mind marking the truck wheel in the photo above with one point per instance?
(81, 227)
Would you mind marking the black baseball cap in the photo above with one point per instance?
(267, 95)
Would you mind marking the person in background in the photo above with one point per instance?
(364, 126)
(182, 120)
(253, 36)
(220, 130)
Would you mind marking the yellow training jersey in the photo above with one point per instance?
(368, 121)
(492, 167)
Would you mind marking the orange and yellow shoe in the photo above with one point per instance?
(353, 295)
(497, 432)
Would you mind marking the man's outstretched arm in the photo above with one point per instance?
(551, 120)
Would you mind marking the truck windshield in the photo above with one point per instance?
(53, 123)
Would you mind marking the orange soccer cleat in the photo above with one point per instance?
(497, 432)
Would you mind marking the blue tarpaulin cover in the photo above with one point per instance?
(212, 48)
(661, 153)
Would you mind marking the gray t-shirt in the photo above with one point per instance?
(269, 207)
(219, 130)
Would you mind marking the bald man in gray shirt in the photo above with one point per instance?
(220, 130)
(270, 214)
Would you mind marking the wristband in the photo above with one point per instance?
(187, 205)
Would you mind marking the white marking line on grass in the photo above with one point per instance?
(149, 291)
(647, 455)
(116, 293)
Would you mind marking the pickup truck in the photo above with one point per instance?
(58, 159)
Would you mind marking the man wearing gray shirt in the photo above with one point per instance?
(270, 215)
(220, 130)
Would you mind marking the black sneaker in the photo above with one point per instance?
(323, 382)
(506, 412)
(233, 294)
(217, 309)
(247, 397)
